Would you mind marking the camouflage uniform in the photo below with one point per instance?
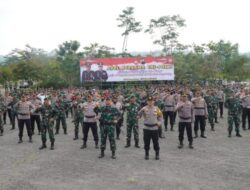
(132, 123)
(211, 108)
(3, 108)
(48, 113)
(78, 117)
(61, 108)
(108, 120)
(234, 111)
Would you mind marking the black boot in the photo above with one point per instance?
(30, 139)
(102, 154)
(65, 131)
(76, 136)
(202, 135)
(172, 128)
(196, 134)
(146, 154)
(137, 145)
(229, 134)
(52, 145)
(212, 127)
(181, 145)
(238, 134)
(190, 145)
(43, 145)
(84, 145)
(57, 131)
(96, 145)
(157, 155)
(20, 140)
(1, 132)
(127, 145)
(113, 155)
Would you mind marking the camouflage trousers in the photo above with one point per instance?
(108, 131)
(211, 116)
(233, 119)
(63, 120)
(47, 127)
(1, 124)
(78, 121)
(135, 129)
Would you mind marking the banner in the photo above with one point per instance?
(127, 69)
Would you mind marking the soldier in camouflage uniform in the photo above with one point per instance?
(233, 105)
(13, 111)
(108, 120)
(77, 114)
(211, 107)
(3, 108)
(48, 113)
(132, 121)
(61, 108)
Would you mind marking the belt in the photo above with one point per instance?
(185, 118)
(92, 116)
(199, 108)
(150, 125)
(169, 106)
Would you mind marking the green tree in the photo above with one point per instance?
(95, 50)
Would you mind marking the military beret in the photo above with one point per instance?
(150, 98)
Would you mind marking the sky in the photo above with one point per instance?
(47, 23)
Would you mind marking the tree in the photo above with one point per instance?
(128, 22)
(165, 31)
(98, 51)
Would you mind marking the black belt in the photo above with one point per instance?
(90, 116)
(169, 106)
(150, 125)
(185, 118)
(199, 108)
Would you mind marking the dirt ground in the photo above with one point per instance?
(215, 163)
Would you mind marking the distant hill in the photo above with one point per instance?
(247, 54)
(2, 59)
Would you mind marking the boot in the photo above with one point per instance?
(1, 132)
(238, 134)
(20, 140)
(212, 127)
(96, 145)
(30, 139)
(102, 154)
(52, 145)
(229, 134)
(196, 134)
(113, 155)
(202, 135)
(172, 128)
(181, 145)
(43, 145)
(146, 154)
(127, 145)
(76, 136)
(157, 155)
(57, 131)
(137, 145)
(84, 145)
(190, 145)
(65, 131)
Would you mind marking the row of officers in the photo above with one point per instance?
(109, 114)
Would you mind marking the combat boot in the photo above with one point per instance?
(146, 154)
(212, 127)
(229, 134)
(238, 134)
(113, 155)
(52, 145)
(190, 145)
(30, 139)
(102, 154)
(172, 128)
(127, 145)
(181, 145)
(1, 132)
(157, 155)
(65, 131)
(76, 136)
(202, 135)
(43, 145)
(84, 145)
(96, 145)
(196, 134)
(137, 145)
(20, 140)
(57, 131)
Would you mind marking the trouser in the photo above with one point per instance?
(147, 136)
(21, 123)
(47, 128)
(35, 118)
(9, 114)
(1, 124)
(170, 115)
(64, 125)
(199, 121)
(211, 116)
(221, 105)
(118, 127)
(78, 121)
(135, 129)
(233, 119)
(245, 115)
(93, 127)
(188, 127)
(108, 131)
(13, 117)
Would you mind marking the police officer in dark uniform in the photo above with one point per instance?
(88, 75)
(101, 75)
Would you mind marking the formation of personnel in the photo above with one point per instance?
(104, 110)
